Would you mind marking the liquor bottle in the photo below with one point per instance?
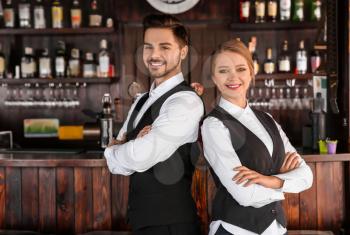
(28, 64)
(74, 63)
(9, 15)
(24, 14)
(2, 63)
(57, 14)
(103, 60)
(269, 65)
(106, 121)
(259, 11)
(252, 49)
(244, 11)
(284, 59)
(95, 18)
(89, 67)
(272, 10)
(301, 57)
(45, 65)
(316, 12)
(285, 9)
(60, 60)
(39, 15)
(298, 13)
(2, 22)
(75, 13)
(315, 60)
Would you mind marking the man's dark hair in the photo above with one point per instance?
(167, 22)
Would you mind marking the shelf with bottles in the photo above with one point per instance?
(278, 15)
(284, 76)
(70, 80)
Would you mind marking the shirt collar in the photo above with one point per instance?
(233, 109)
(166, 85)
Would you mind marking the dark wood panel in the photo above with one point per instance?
(13, 195)
(30, 198)
(308, 204)
(47, 200)
(120, 192)
(291, 209)
(102, 218)
(2, 197)
(83, 200)
(65, 200)
(211, 191)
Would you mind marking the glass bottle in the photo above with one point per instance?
(2, 63)
(28, 64)
(9, 15)
(95, 19)
(39, 15)
(103, 60)
(301, 59)
(57, 14)
(284, 59)
(252, 49)
(74, 63)
(298, 13)
(285, 9)
(24, 14)
(259, 11)
(269, 65)
(316, 12)
(315, 60)
(272, 10)
(45, 65)
(106, 121)
(76, 15)
(60, 60)
(244, 10)
(89, 67)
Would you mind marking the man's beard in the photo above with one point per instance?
(167, 71)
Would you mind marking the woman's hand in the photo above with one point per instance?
(198, 88)
(144, 131)
(253, 177)
(291, 161)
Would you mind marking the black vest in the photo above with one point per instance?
(162, 194)
(253, 154)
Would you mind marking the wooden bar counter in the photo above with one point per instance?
(75, 193)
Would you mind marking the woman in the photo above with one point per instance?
(251, 158)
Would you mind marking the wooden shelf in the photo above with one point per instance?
(67, 31)
(58, 80)
(284, 76)
(274, 26)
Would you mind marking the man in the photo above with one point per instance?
(156, 143)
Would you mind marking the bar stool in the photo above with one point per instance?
(309, 232)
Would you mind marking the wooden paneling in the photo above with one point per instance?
(119, 201)
(13, 195)
(2, 197)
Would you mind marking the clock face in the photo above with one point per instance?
(172, 6)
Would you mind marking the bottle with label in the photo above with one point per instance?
(2, 63)
(74, 63)
(39, 15)
(95, 18)
(316, 12)
(24, 14)
(89, 67)
(285, 9)
(60, 60)
(272, 10)
(28, 64)
(284, 59)
(315, 60)
(57, 14)
(103, 60)
(106, 121)
(269, 65)
(244, 11)
(45, 64)
(9, 14)
(252, 49)
(76, 15)
(259, 11)
(301, 59)
(298, 13)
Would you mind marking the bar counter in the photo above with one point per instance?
(68, 193)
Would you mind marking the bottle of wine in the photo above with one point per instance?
(39, 15)
(284, 59)
(259, 11)
(285, 9)
(301, 58)
(298, 13)
(269, 65)
(272, 10)
(57, 14)
(76, 15)
(244, 10)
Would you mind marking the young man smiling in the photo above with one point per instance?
(156, 143)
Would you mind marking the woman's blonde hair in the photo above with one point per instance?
(235, 46)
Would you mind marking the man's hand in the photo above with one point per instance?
(144, 131)
(253, 177)
(117, 142)
(291, 161)
(198, 88)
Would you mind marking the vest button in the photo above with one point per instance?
(273, 211)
